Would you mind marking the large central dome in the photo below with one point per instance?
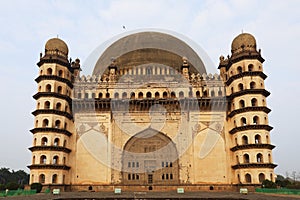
(149, 47)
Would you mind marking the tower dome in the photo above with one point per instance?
(243, 41)
(57, 44)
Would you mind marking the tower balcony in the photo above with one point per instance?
(251, 127)
(55, 78)
(49, 148)
(254, 165)
(55, 58)
(53, 94)
(249, 109)
(245, 74)
(49, 166)
(53, 111)
(49, 129)
(252, 146)
(249, 91)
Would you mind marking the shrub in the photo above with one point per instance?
(12, 186)
(2, 187)
(36, 186)
(269, 184)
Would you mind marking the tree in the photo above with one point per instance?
(9, 179)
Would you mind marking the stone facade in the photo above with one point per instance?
(151, 118)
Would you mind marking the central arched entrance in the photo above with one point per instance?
(150, 158)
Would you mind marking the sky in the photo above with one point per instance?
(84, 25)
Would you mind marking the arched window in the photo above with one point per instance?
(241, 87)
(140, 96)
(41, 72)
(57, 124)
(248, 178)
(245, 140)
(246, 158)
(237, 160)
(43, 159)
(60, 73)
(93, 95)
(86, 95)
(165, 95)
(34, 141)
(212, 93)
(205, 93)
(48, 88)
(254, 102)
(100, 95)
(33, 160)
(198, 94)
(55, 160)
(65, 143)
(45, 123)
(257, 139)
(79, 95)
(271, 176)
(173, 95)
(250, 67)
(56, 142)
(107, 95)
(181, 94)
(47, 105)
(232, 90)
(239, 178)
(66, 125)
(236, 141)
(59, 90)
(64, 160)
(54, 178)
(156, 95)
(269, 158)
(40, 88)
(267, 139)
(190, 93)
(243, 121)
(149, 70)
(261, 177)
(116, 95)
(149, 95)
(132, 95)
(49, 71)
(44, 141)
(42, 178)
(220, 93)
(124, 95)
(242, 104)
(234, 122)
(259, 158)
(36, 123)
(255, 120)
(239, 69)
(252, 85)
(58, 106)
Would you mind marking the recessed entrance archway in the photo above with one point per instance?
(150, 158)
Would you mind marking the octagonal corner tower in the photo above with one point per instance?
(150, 118)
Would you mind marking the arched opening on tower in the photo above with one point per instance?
(150, 157)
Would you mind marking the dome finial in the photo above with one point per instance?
(243, 41)
(56, 44)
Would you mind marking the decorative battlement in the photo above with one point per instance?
(104, 79)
